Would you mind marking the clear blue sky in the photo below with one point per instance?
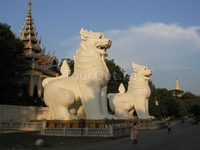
(161, 34)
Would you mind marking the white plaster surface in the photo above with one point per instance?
(17, 113)
(43, 113)
(84, 93)
(124, 103)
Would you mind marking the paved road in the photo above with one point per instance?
(184, 137)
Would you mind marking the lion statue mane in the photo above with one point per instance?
(82, 95)
(124, 103)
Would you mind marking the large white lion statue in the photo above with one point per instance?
(136, 97)
(85, 91)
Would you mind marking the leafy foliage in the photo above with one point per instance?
(153, 108)
(117, 77)
(13, 63)
(170, 105)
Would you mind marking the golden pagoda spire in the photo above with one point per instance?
(177, 86)
(29, 9)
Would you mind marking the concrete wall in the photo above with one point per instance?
(22, 113)
(43, 113)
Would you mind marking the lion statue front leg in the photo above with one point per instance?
(147, 109)
(123, 112)
(104, 105)
(141, 107)
(58, 101)
(91, 100)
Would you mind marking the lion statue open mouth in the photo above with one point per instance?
(104, 47)
(83, 94)
(136, 98)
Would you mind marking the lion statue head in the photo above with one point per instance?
(142, 71)
(95, 41)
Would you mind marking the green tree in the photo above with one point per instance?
(182, 109)
(13, 64)
(171, 105)
(118, 76)
(177, 93)
(188, 95)
(167, 104)
(191, 103)
(153, 108)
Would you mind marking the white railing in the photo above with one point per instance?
(22, 125)
(89, 132)
(153, 125)
(110, 130)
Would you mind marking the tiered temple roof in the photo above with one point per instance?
(32, 49)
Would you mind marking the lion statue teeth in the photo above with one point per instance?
(124, 103)
(83, 94)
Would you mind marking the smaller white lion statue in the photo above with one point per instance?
(136, 97)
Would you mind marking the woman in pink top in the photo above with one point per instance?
(134, 133)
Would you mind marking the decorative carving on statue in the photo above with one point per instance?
(84, 93)
(124, 103)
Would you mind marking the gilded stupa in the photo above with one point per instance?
(177, 88)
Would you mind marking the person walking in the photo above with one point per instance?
(134, 132)
(182, 121)
(169, 128)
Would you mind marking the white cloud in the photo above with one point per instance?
(170, 50)
(162, 47)
(158, 45)
(70, 41)
(71, 44)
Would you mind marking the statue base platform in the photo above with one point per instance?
(82, 123)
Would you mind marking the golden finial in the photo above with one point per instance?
(177, 86)
(29, 8)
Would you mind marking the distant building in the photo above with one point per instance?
(177, 86)
(177, 91)
(41, 65)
